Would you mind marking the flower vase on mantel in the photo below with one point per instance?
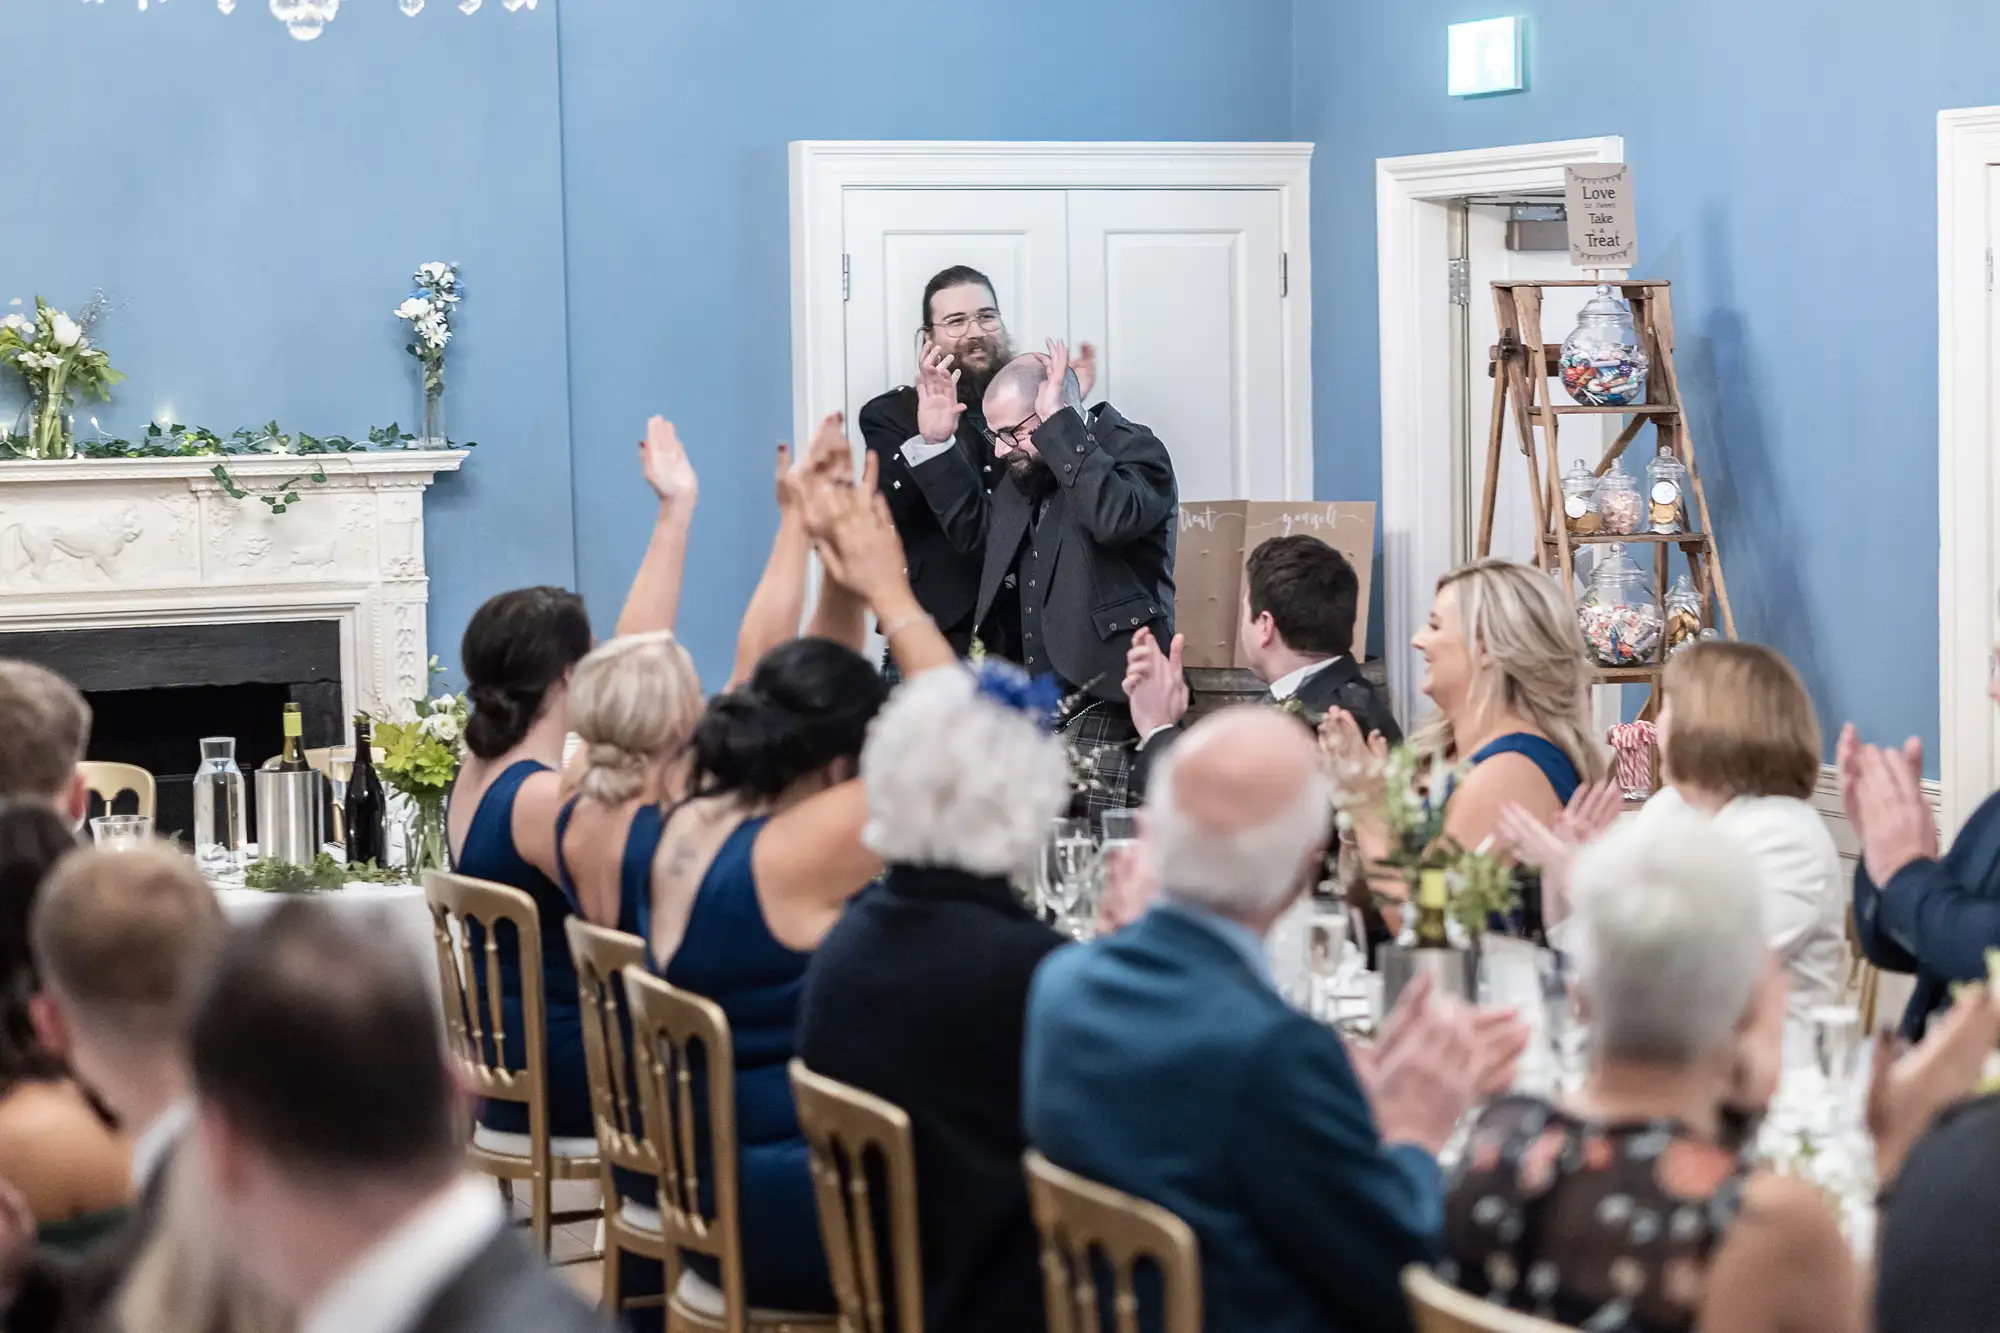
(433, 433)
(49, 434)
(424, 844)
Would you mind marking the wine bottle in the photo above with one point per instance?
(1534, 929)
(367, 808)
(1432, 899)
(293, 758)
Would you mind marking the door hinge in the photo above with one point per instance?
(1460, 281)
(1284, 274)
(846, 278)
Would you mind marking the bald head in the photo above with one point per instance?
(1010, 398)
(1240, 811)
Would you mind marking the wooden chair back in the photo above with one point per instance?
(847, 1130)
(466, 914)
(1090, 1231)
(676, 1034)
(106, 779)
(1437, 1307)
(603, 957)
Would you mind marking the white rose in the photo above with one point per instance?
(66, 330)
(18, 323)
(414, 308)
(444, 703)
(447, 730)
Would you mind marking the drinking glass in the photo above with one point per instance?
(1121, 828)
(1836, 1036)
(1066, 862)
(121, 833)
(1327, 967)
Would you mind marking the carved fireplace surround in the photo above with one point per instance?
(103, 543)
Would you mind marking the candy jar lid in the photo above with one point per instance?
(1682, 593)
(1606, 305)
(1616, 569)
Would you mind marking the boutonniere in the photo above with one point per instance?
(1293, 705)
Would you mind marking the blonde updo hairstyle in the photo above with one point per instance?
(1527, 658)
(634, 702)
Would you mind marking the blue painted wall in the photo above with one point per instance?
(1786, 173)
(676, 117)
(254, 206)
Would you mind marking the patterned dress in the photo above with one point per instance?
(1608, 1228)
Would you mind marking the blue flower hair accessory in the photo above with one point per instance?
(1004, 683)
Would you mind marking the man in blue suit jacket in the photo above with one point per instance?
(1163, 1062)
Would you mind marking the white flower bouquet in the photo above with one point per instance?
(55, 358)
(429, 310)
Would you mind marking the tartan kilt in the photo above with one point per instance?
(1101, 739)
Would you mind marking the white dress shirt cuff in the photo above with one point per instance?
(918, 451)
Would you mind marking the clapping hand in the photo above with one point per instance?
(938, 408)
(1156, 687)
(861, 550)
(1906, 1092)
(666, 464)
(828, 460)
(1049, 398)
(1896, 823)
(1590, 812)
(1085, 367)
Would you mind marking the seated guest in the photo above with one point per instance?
(518, 652)
(1161, 1061)
(755, 868)
(329, 1127)
(1915, 910)
(919, 994)
(1300, 597)
(124, 942)
(1629, 1207)
(1934, 1269)
(1739, 741)
(72, 1169)
(634, 703)
(47, 731)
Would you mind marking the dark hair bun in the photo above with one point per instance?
(516, 646)
(808, 704)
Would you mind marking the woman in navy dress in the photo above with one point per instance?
(1504, 663)
(757, 867)
(518, 654)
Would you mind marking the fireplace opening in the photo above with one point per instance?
(156, 691)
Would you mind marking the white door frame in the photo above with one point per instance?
(822, 169)
(1969, 758)
(1414, 302)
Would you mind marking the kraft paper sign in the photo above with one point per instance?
(1218, 536)
(1603, 232)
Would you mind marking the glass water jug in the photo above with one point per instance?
(220, 825)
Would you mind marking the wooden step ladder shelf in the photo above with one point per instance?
(1526, 388)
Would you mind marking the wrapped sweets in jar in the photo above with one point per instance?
(1603, 363)
(1618, 501)
(1683, 615)
(1618, 614)
(1666, 492)
(1580, 513)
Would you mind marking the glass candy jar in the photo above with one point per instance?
(1619, 615)
(1618, 502)
(1683, 615)
(1580, 512)
(1602, 363)
(1666, 492)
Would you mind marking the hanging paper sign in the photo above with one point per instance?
(1603, 230)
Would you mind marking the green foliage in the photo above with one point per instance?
(324, 875)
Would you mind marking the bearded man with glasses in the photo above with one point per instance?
(960, 317)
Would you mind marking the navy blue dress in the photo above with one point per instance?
(727, 954)
(1546, 755)
(489, 853)
(635, 868)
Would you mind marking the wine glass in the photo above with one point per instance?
(1052, 884)
(1836, 1038)
(1072, 856)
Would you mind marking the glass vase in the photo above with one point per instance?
(424, 838)
(49, 429)
(433, 433)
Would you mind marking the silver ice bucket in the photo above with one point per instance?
(1452, 971)
(288, 815)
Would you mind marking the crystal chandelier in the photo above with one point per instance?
(306, 19)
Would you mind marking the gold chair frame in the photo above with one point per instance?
(1079, 1218)
(106, 780)
(457, 901)
(1438, 1307)
(843, 1125)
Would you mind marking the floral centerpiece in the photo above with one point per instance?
(420, 759)
(54, 356)
(429, 310)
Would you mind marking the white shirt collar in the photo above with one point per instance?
(1289, 684)
(389, 1287)
(156, 1140)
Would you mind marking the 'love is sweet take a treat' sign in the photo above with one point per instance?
(1603, 228)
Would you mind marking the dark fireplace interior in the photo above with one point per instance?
(156, 690)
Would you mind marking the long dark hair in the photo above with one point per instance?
(32, 840)
(516, 646)
(808, 704)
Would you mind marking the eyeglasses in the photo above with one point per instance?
(956, 325)
(1012, 434)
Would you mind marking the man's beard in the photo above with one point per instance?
(972, 383)
(1034, 476)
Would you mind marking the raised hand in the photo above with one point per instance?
(1085, 367)
(1156, 687)
(1897, 824)
(1847, 758)
(830, 456)
(1049, 398)
(862, 551)
(665, 462)
(1591, 812)
(938, 408)
(1907, 1092)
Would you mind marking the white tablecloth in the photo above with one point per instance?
(397, 910)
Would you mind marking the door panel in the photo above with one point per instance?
(1180, 292)
(897, 239)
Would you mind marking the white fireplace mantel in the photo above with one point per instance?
(98, 543)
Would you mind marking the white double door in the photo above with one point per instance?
(1181, 291)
